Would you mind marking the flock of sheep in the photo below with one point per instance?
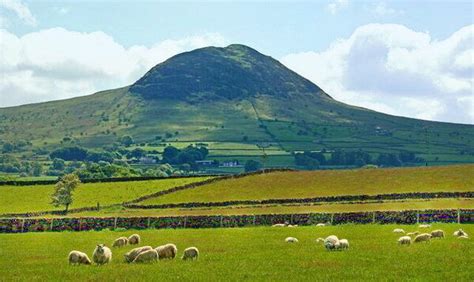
(103, 255)
(425, 237)
(334, 243)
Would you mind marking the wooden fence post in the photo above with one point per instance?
(291, 219)
(148, 223)
(417, 217)
(332, 217)
(459, 216)
(22, 225)
(115, 223)
(373, 217)
(185, 220)
(254, 219)
(51, 226)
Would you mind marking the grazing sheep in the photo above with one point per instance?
(289, 225)
(398, 230)
(424, 237)
(437, 233)
(459, 233)
(102, 254)
(134, 239)
(331, 243)
(76, 257)
(280, 225)
(320, 224)
(132, 254)
(167, 251)
(424, 226)
(343, 244)
(463, 237)
(191, 253)
(413, 233)
(146, 256)
(291, 240)
(404, 240)
(120, 242)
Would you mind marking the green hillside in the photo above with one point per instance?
(234, 100)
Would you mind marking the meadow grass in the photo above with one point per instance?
(253, 254)
(19, 199)
(437, 204)
(307, 184)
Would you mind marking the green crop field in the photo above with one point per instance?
(306, 184)
(251, 254)
(20, 199)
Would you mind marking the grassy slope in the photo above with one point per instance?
(19, 199)
(305, 184)
(252, 254)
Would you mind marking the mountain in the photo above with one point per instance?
(237, 101)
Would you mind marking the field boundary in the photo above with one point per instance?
(22, 225)
(329, 199)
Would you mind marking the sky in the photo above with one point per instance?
(406, 58)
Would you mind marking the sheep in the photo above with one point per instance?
(424, 226)
(146, 256)
(295, 225)
(320, 224)
(343, 244)
(102, 254)
(437, 233)
(120, 242)
(280, 225)
(331, 242)
(132, 254)
(191, 253)
(291, 240)
(167, 251)
(459, 233)
(404, 240)
(398, 230)
(424, 237)
(463, 237)
(76, 257)
(134, 239)
(413, 233)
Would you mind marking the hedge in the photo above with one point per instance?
(16, 225)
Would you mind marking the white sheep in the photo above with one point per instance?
(424, 237)
(102, 254)
(295, 225)
(437, 233)
(331, 242)
(291, 240)
(191, 253)
(279, 225)
(132, 254)
(120, 242)
(76, 257)
(343, 244)
(398, 230)
(134, 239)
(424, 226)
(320, 224)
(167, 251)
(404, 240)
(463, 237)
(146, 256)
(459, 232)
(413, 233)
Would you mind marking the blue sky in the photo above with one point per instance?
(337, 44)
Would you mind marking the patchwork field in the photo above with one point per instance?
(307, 184)
(251, 254)
(21, 199)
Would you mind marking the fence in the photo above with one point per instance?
(18, 225)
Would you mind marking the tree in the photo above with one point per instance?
(37, 169)
(74, 153)
(126, 140)
(58, 164)
(8, 147)
(63, 190)
(252, 165)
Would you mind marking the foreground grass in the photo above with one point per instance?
(18, 199)
(246, 254)
(306, 184)
(120, 211)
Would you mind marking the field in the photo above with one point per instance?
(306, 184)
(21, 199)
(246, 254)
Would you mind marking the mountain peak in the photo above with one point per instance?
(235, 71)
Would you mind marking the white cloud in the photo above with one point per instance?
(61, 10)
(57, 63)
(336, 5)
(20, 9)
(382, 10)
(394, 69)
